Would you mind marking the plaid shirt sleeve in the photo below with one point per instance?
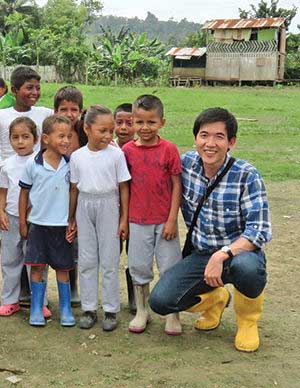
(255, 211)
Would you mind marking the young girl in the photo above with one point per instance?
(99, 174)
(23, 137)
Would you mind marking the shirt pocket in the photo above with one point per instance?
(226, 218)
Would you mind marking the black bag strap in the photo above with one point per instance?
(207, 193)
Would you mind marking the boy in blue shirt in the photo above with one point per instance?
(45, 183)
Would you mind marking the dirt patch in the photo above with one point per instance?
(68, 357)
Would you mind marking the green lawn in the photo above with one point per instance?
(272, 142)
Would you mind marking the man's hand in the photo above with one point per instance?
(214, 268)
(4, 223)
(170, 230)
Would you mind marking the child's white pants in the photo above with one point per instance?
(99, 248)
(145, 243)
(12, 260)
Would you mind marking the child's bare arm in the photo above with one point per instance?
(4, 223)
(23, 205)
(170, 229)
(72, 229)
(124, 203)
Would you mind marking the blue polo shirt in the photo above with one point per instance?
(48, 191)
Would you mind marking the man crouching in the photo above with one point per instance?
(228, 235)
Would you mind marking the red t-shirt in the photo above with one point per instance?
(151, 168)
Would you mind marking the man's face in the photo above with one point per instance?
(212, 145)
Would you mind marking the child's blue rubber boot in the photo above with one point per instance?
(37, 300)
(66, 315)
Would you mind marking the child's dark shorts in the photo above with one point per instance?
(48, 245)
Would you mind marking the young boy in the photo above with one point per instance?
(25, 86)
(155, 192)
(125, 132)
(68, 102)
(46, 184)
(123, 124)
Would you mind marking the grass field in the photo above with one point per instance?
(59, 357)
(272, 142)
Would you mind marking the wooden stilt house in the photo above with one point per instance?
(245, 49)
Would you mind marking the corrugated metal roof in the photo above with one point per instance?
(187, 51)
(223, 24)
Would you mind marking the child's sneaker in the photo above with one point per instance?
(109, 322)
(88, 319)
(9, 309)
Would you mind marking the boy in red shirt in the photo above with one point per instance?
(155, 193)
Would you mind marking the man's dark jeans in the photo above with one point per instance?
(177, 289)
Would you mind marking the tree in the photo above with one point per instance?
(263, 10)
(195, 39)
(126, 56)
(24, 7)
(292, 62)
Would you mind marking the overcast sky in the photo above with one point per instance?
(193, 10)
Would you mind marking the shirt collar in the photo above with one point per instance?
(40, 160)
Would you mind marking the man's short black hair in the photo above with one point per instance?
(68, 93)
(214, 115)
(21, 74)
(149, 102)
(126, 107)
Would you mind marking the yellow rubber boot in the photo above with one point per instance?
(248, 312)
(212, 306)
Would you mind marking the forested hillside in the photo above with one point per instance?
(169, 32)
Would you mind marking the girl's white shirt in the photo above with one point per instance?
(99, 172)
(10, 175)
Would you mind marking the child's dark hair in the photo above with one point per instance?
(49, 123)
(149, 102)
(3, 84)
(214, 115)
(21, 74)
(94, 111)
(30, 124)
(68, 93)
(126, 107)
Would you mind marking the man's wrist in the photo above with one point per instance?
(227, 251)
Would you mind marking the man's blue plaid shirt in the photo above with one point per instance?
(237, 207)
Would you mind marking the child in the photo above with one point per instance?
(123, 124)
(6, 99)
(23, 137)
(25, 86)
(68, 102)
(99, 173)
(125, 132)
(45, 183)
(155, 191)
